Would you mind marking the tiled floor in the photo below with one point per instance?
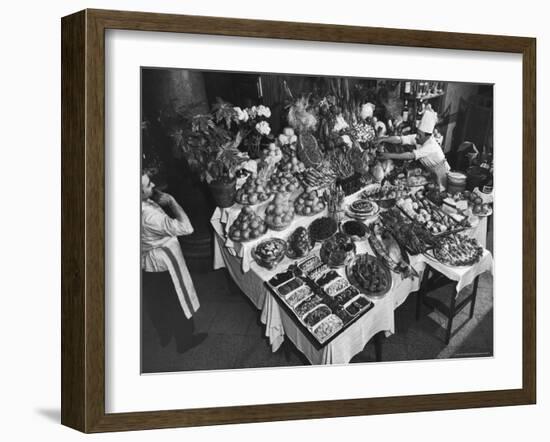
(236, 337)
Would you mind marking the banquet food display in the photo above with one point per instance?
(309, 203)
(408, 234)
(458, 250)
(386, 191)
(247, 226)
(318, 177)
(283, 181)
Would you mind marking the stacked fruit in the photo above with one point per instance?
(309, 203)
(253, 191)
(248, 225)
(283, 181)
(291, 163)
(280, 212)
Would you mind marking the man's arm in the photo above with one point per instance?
(398, 156)
(394, 139)
(167, 201)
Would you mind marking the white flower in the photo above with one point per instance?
(252, 112)
(367, 110)
(263, 128)
(288, 131)
(241, 115)
(263, 111)
(340, 124)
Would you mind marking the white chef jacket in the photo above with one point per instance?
(429, 154)
(160, 251)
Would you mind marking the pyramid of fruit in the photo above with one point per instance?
(248, 225)
(255, 189)
(283, 181)
(309, 203)
(291, 163)
(280, 212)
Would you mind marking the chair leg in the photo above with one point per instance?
(378, 337)
(420, 293)
(474, 296)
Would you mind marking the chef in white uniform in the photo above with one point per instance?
(427, 151)
(168, 289)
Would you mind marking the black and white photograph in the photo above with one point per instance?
(292, 220)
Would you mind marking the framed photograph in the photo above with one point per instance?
(267, 221)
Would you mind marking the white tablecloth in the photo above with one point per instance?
(250, 278)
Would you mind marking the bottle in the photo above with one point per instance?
(406, 112)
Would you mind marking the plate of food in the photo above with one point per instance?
(299, 243)
(362, 209)
(270, 252)
(369, 275)
(457, 251)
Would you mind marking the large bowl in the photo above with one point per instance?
(270, 262)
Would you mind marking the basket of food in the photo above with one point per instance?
(269, 253)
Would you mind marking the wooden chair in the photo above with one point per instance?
(447, 304)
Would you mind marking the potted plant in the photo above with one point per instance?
(211, 150)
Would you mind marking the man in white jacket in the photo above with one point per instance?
(168, 290)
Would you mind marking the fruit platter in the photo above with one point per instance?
(421, 210)
(254, 191)
(309, 203)
(457, 251)
(247, 226)
(280, 212)
(269, 253)
(338, 250)
(369, 275)
(362, 209)
(322, 228)
(356, 230)
(299, 243)
(392, 254)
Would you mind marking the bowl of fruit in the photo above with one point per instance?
(280, 212)
(247, 226)
(309, 203)
(253, 192)
(269, 253)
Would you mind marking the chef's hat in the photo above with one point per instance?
(428, 122)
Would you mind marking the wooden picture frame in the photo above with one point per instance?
(83, 220)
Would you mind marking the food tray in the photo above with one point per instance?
(281, 278)
(317, 272)
(439, 234)
(307, 305)
(289, 286)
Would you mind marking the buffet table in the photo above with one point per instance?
(250, 277)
